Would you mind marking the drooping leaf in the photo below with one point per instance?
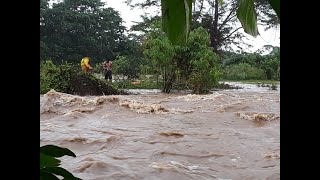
(176, 19)
(248, 17)
(61, 171)
(275, 4)
(47, 161)
(56, 151)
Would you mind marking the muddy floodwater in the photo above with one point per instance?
(225, 135)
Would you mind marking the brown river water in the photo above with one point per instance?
(226, 135)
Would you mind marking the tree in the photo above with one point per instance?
(160, 52)
(76, 28)
(220, 22)
(191, 65)
(266, 15)
(218, 19)
(239, 66)
(204, 62)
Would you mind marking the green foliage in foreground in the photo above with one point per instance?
(50, 165)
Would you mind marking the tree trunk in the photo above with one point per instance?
(214, 35)
(169, 81)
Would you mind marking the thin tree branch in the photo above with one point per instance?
(224, 38)
(228, 18)
(201, 7)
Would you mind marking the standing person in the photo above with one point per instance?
(107, 66)
(85, 65)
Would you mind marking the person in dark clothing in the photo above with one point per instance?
(107, 66)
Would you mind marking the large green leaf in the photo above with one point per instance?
(47, 161)
(60, 171)
(275, 4)
(176, 19)
(248, 17)
(56, 151)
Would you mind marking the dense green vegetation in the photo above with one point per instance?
(192, 65)
(251, 66)
(73, 29)
(68, 78)
(76, 28)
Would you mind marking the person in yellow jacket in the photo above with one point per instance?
(85, 65)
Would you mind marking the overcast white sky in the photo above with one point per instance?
(270, 37)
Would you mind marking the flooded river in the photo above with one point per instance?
(226, 135)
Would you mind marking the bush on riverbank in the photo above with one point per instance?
(70, 79)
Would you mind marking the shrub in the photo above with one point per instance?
(243, 71)
(70, 79)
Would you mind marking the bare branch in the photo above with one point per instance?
(224, 38)
(201, 7)
(228, 17)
